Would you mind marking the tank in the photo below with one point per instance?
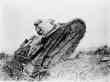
(53, 46)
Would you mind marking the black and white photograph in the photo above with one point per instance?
(55, 40)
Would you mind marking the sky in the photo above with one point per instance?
(17, 18)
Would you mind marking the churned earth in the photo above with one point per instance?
(86, 66)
